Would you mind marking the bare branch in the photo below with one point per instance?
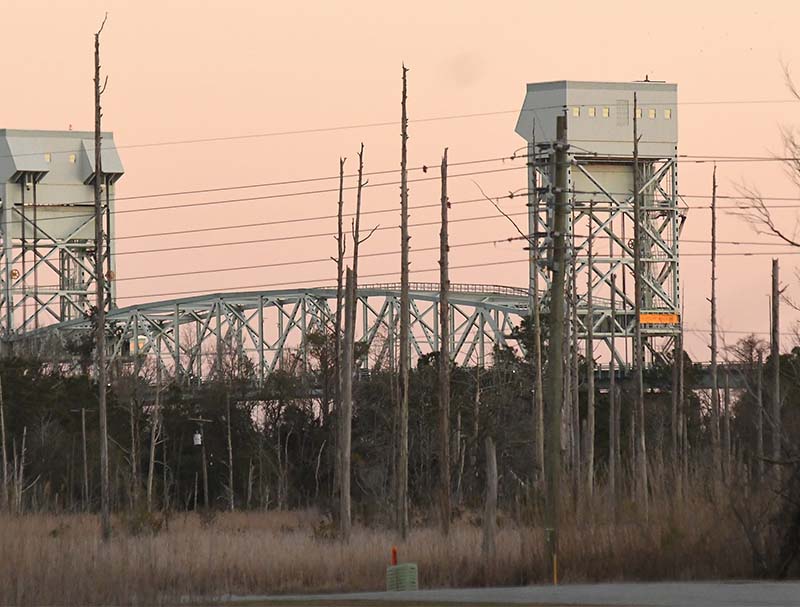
(502, 212)
(102, 25)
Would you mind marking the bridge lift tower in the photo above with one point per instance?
(600, 182)
(47, 231)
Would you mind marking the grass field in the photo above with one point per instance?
(48, 559)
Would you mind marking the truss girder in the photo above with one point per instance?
(194, 336)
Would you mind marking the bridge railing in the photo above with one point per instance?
(469, 288)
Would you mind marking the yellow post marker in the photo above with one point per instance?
(555, 570)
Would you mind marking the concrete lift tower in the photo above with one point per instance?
(47, 226)
(600, 140)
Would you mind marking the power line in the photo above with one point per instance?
(317, 280)
(386, 123)
(271, 196)
(297, 236)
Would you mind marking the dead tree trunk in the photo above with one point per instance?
(346, 409)
(715, 409)
(444, 359)
(638, 345)
(231, 496)
(85, 462)
(589, 370)
(341, 247)
(577, 455)
(775, 354)
(155, 432)
(134, 456)
(538, 390)
(613, 417)
(727, 467)
(100, 315)
(490, 509)
(405, 319)
(5, 453)
(760, 416)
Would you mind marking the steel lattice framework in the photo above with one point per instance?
(190, 337)
(601, 210)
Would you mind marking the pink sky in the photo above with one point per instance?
(186, 70)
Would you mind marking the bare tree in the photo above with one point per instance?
(490, 508)
(715, 412)
(346, 409)
(641, 461)
(5, 456)
(341, 247)
(590, 421)
(405, 319)
(100, 315)
(155, 435)
(444, 358)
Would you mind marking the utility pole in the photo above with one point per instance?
(444, 357)
(715, 438)
(555, 375)
(100, 317)
(538, 390)
(775, 354)
(346, 410)
(590, 366)
(402, 469)
(638, 346)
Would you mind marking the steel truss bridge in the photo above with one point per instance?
(193, 337)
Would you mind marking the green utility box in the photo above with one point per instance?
(402, 577)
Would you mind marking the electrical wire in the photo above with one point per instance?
(386, 123)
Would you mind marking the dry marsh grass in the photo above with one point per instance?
(49, 560)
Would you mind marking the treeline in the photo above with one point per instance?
(226, 444)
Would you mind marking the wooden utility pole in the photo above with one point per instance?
(715, 426)
(555, 357)
(573, 373)
(405, 320)
(444, 358)
(590, 365)
(346, 410)
(760, 416)
(613, 414)
(538, 390)
(775, 354)
(100, 281)
(638, 345)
